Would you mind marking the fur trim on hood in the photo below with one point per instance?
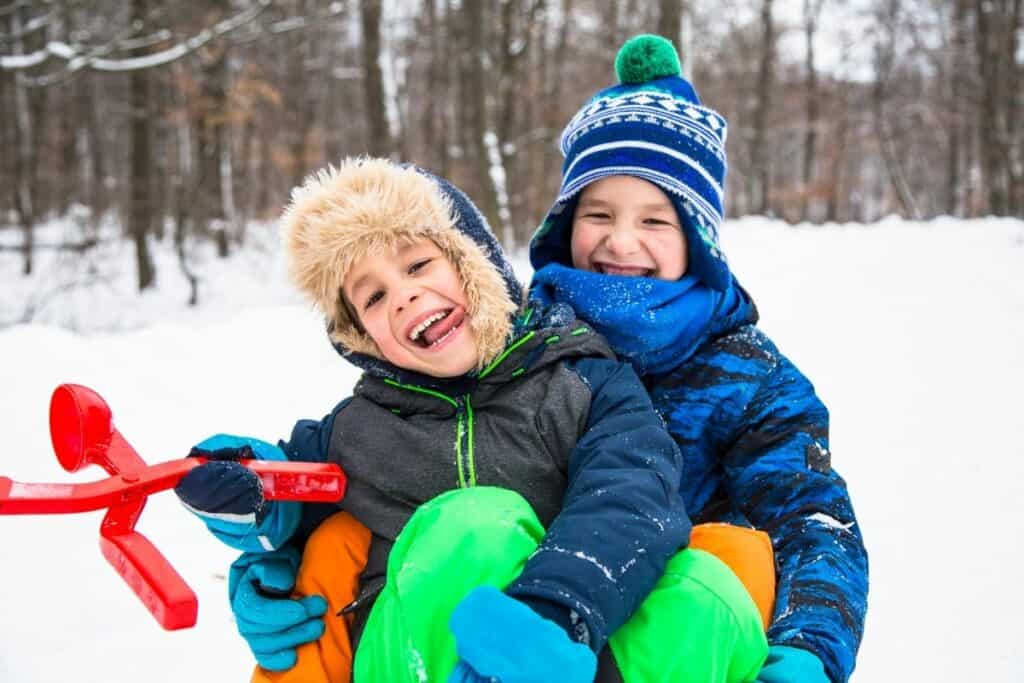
(364, 206)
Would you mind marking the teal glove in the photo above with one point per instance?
(791, 665)
(228, 497)
(271, 621)
(500, 639)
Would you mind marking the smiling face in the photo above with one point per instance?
(627, 226)
(411, 302)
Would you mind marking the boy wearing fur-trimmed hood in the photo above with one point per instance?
(490, 444)
(632, 244)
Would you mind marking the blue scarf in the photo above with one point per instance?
(656, 325)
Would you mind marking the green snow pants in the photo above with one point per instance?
(698, 625)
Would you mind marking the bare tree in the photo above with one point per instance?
(24, 137)
(554, 64)
(1013, 105)
(885, 58)
(958, 77)
(811, 13)
(140, 212)
(379, 138)
(670, 20)
(986, 25)
(485, 148)
(213, 134)
(765, 84)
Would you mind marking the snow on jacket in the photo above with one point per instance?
(550, 414)
(753, 433)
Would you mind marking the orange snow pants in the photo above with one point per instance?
(331, 564)
(336, 554)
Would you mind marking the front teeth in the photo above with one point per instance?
(418, 330)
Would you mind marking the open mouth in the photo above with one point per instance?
(438, 327)
(625, 271)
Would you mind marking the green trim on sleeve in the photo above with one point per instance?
(497, 361)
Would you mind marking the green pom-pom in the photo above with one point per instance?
(645, 58)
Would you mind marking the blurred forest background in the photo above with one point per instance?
(191, 121)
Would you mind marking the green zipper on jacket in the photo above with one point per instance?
(465, 462)
(464, 442)
(463, 430)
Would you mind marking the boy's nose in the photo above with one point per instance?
(622, 240)
(405, 298)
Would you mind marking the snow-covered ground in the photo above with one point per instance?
(912, 333)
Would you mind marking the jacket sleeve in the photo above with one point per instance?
(309, 442)
(622, 516)
(778, 472)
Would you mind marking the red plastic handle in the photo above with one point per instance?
(83, 434)
(146, 571)
(151, 577)
(315, 482)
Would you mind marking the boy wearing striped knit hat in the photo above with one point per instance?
(631, 244)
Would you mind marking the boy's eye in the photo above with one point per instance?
(373, 298)
(419, 265)
(597, 215)
(657, 222)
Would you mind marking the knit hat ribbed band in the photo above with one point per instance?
(650, 126)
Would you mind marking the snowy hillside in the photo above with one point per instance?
(912, 333)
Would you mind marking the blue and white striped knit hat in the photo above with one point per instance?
(651, 126)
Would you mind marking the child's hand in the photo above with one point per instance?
(228, 497)
(786, 664)
(499, 638)
(273, 626)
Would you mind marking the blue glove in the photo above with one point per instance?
(791, 665)
(228, 497)
(272, 623)
(499, 638)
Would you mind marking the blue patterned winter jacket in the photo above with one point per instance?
(754, 439)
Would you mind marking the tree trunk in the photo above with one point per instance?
(987, 42)
(484, 153)
(140, 212)
(95, 150)
(68, 191)
(1013, 107)
(553, 92)
(245, 166)
(39, 111)
(214, 135)
(957, 76)
(811, 12)
(450, 109)
(885, 55)
(264, 178)
(428, 121)
(890, 156)
(759, 159)
(24, 153)
(379, 134)
(670, 21)
(508, 81)
(299, 110)
(539, 135)
(9, 197)
(515, 47)
(836, 151)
